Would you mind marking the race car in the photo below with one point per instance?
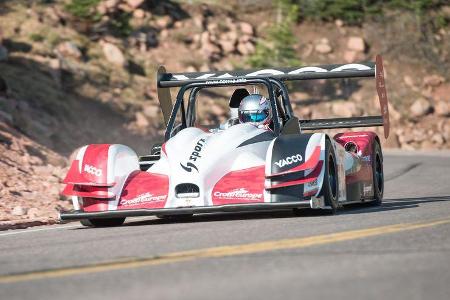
(238, 167)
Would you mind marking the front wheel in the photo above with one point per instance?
(108, 222)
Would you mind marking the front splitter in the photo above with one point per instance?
(247, 207)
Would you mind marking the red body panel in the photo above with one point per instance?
(144, 190)
(229, 189)
(364, 141)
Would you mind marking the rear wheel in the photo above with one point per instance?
(330, 186)
(378, 174)
(108, 222)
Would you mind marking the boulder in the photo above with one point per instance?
(139, 13)
(18, 211)
(433, 80)
(442, 108)
(246, 28)
(227, 46)
(68, 49)
(164, 22)
(246, 48)
(438, 139)
(420, 108)
(141, 120)
(323, 48)
(113, 54)
(356, 43)
(134, 3)
(33, 213)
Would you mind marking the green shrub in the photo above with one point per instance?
(354, 11)
(277, 48)
(83, 9)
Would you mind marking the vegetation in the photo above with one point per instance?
(82, 9)
(355, 11)
(277, 48)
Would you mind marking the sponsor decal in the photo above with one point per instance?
(240, 193)
(93, 170)
(354, 136)
(226, 81)
(143, 198)
(194, 156)
(312, 184)
(289, 160)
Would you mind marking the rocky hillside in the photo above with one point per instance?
(82, 71)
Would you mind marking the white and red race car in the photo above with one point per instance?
(238, 167)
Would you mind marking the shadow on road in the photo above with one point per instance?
(388, 205)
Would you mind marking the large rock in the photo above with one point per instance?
(227, 46)
(433, 80)
(246, 48)
(18, 211)
(68, 49)
(246, 28)
(420, 108)
(356, 43)
(323, 48)
(113, 54)
(134, 3)
(442, 108)
(141, 120)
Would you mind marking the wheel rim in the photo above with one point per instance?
(332, 176)
(379, 174)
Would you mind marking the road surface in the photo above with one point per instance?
(400, 250)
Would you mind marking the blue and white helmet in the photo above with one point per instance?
(255, 109)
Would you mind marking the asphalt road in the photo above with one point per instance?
(400, 250)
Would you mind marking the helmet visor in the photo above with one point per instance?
(255, 116)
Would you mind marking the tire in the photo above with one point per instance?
(378, 175)
(330, 186)
(108, 222)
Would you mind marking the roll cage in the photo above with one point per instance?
(281, 109)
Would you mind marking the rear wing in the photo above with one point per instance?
(353, 70)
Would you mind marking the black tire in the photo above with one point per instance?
(330, 186)
(108, 222)
(378, 174)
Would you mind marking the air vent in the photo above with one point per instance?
(187, 190)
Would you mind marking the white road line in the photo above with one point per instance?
(35, 230)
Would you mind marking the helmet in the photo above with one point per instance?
(255, 109)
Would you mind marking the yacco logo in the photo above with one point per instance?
(143, 198)
(93, 170)
(239, 194)
(289, 160)
(194, 156)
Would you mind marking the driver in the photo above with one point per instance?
(255, 109)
